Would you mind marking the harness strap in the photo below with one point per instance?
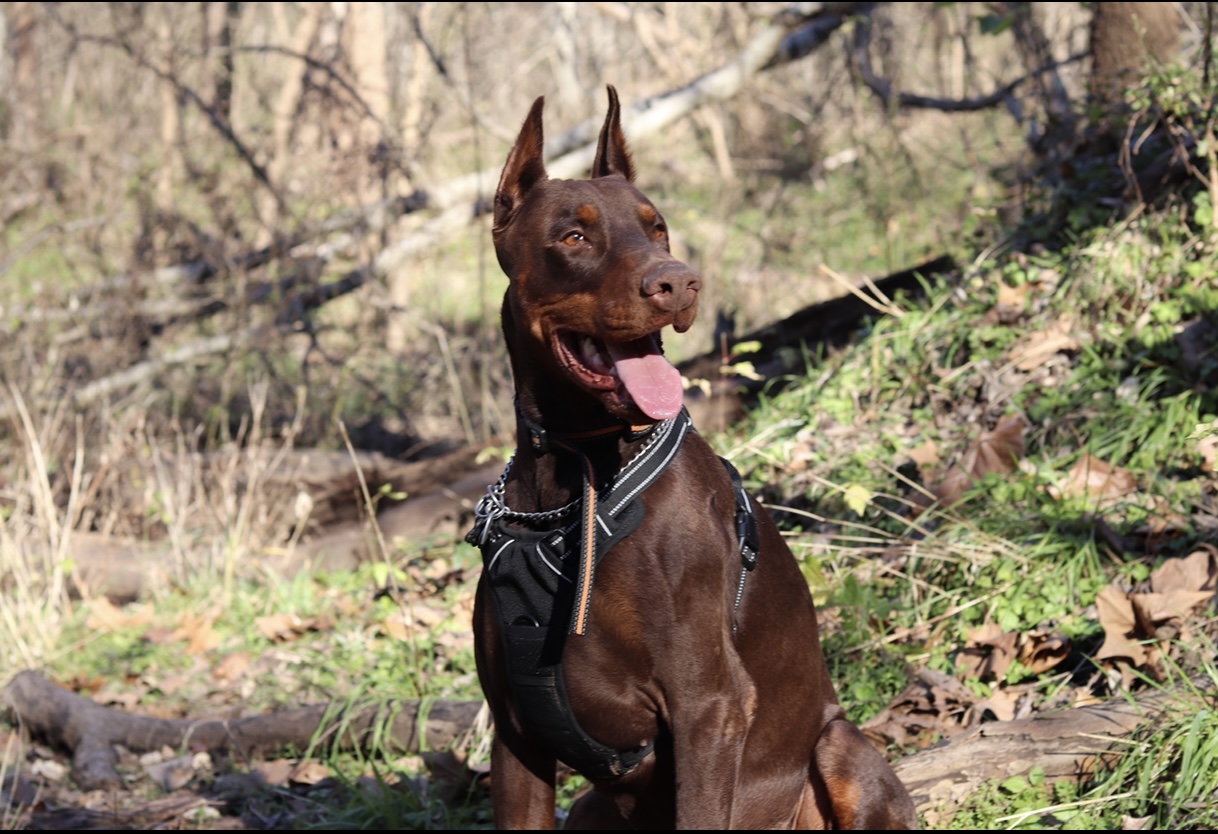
(587, 542)
(748, 535)
(634, 478)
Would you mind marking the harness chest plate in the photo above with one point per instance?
(533, 578)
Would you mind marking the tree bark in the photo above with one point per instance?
(1125, 37)
(170, 116)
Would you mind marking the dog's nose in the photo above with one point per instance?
(672, 287)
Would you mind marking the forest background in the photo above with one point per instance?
(251, 380)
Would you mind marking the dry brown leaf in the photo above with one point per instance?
(1041, 651)
(232, 667)
(1197, 571)
(1011, 304)
(106, 617)
(197, 631)
(925, 455)
(282, 627)
(309, 772)
(988, 653)
(1013, 296)
(172, 774)
(930, 706)
(1039, 346)
(1164, 616)
(274, 773)
(995, 451)
(1002, 703)
(1095, 479)
(1117, 618)
(427, 615)
(128, 699)
(395, 627)
(85, 683)
(437, 569)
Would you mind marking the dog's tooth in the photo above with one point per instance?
(593, 356)
(588, 348)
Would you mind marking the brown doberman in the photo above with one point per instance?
(639, 617)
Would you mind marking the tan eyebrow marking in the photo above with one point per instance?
(587, 214)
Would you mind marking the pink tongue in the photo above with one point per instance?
(654, 384)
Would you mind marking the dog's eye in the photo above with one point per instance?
(573, 238)
(660, 233)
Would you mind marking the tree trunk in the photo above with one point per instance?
(23, 93)
(218, 54)
(1125, 37)
(287, 103)
(170, 115)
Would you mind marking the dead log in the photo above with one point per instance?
(441, 492)
(90, 731)
(1065, 744)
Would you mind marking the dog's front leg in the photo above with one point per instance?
(711, 716)
(522, 784)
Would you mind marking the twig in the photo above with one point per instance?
(881, 303)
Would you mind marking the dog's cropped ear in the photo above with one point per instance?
(525, 166)
(612, 155)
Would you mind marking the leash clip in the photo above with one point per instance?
(490, 508)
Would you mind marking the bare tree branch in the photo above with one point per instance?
(572, 152)
(883, 89)
(321, 66)
(217, 121)
(568, 152)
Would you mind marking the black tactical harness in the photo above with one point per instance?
(542, 593)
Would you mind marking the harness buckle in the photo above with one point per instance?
(538, 439)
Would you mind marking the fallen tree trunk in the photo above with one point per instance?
(90, 731)
(1064, 744)
(440, 493)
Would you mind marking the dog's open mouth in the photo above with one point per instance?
(636, 370)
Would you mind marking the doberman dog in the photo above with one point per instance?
(639, 617)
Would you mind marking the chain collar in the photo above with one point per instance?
(493, 506)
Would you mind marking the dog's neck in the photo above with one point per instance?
(550, 450)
